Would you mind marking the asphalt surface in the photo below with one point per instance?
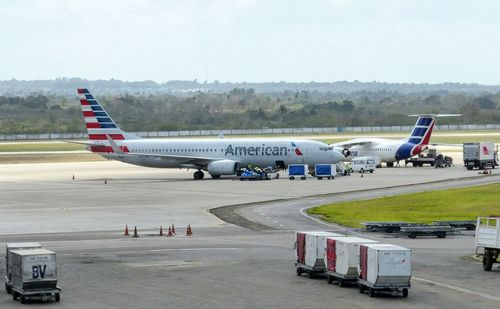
(222, 265)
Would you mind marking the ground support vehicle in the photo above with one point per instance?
(384, 267)
(425, 230)
(34, 275)
(363, 164)
(255, 174)
(310, 249)
(388, 227)
(488, 239)
(421, 159)
(480, 155)
(342, 258)
(298, 170)
(443, 161)
(8, 260)
(327, 171)
(467, 224)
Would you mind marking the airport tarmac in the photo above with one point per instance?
(221, 265)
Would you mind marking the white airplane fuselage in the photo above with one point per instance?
(256, 152)
(383, 150)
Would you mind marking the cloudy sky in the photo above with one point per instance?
(252, 40)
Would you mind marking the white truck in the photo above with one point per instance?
(384, 267)
(488, 239)
(310, 250)
(480, 155)
(8, 260)
(34, 275)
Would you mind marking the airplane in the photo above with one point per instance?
(390, 150)
(218, 157)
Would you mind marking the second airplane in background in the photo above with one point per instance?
(390, 150)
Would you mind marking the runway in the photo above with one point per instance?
(221, 265)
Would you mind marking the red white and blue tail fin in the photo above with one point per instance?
(421, 133)
(99, 123)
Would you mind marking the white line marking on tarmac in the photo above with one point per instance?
(459, 289)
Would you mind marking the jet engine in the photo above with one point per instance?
(222, 167)
(346, 152)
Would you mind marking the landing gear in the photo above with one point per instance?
(198, 175)
(390, 164)
(215, 176)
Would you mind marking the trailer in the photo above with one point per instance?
(425, 230)
(467, 224)
(328, 171)
(480, 155)
(298, 170)
(488, 238)
(388, 226)
(421, 159)
(310, 250)
(384, 267)
(8, 260)
(341, 258)
(34, 275)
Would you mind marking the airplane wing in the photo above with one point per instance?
(353, 142)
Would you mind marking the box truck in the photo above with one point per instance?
(34, 275)
(310, 250)
(480, 155)
(384, 267)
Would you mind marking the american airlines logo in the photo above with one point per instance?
(256, 151)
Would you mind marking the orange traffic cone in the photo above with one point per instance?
(189, 232)
(161, 230)
(170, 232)
(173, 229)
(135, 232)
(126, 231)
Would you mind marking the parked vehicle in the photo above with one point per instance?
(363, 164)
(488, 239)
(384, 267)
(480, 155)
(325, 171)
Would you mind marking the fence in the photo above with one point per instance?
(68, 136)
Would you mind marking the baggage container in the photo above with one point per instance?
(325, 171)
(488, 238)
(8, 261)
(34, 274)
(298, 170)
(342, 258)
(384, 267)
(310, 251)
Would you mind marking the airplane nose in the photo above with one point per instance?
(337, 156)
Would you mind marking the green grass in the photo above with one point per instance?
(425, 207)
(39, 146)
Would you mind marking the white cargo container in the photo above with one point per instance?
(342, 258)
(34, 274)
(8, 261)
(310, 251)
(488, 238)
(384, 267)
(480, 155)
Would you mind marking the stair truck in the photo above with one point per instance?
(488, 239)
(310, 250)
(34, 275)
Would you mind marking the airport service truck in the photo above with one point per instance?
(8, 260)
(488, 239)
(34, 275)
(310, 249)
(480, 155)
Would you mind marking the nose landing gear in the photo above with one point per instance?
(198, 175)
